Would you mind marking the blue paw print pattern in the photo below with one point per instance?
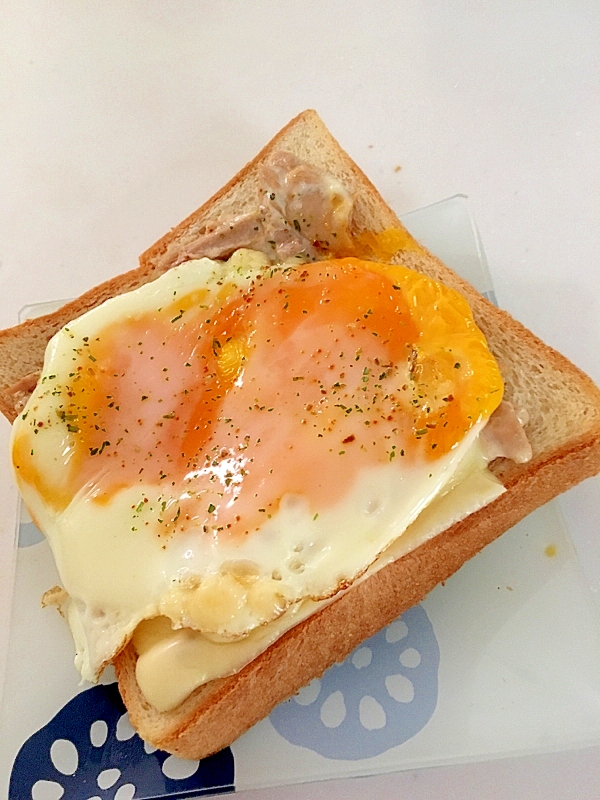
(89, 751)
(383, 694)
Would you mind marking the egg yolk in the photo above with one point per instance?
(291, 385)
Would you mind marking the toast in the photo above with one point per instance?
(563, 428)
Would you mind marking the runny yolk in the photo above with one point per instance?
(290, 386)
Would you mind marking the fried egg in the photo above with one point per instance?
(234, 439)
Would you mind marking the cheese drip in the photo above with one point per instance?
(172, 663)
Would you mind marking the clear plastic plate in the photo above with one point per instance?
(501, 660)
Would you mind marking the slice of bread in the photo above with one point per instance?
(562, 405)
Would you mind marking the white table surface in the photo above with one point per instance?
(118, 119)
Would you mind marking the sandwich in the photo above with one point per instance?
(278, 433)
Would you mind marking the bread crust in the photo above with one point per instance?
(564, 430)
(218, 713)
(22, 347)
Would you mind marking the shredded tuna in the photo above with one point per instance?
(315, 203)
(21, 391)
(266, 231)
(303, 214)
(504, 435)
(230, 235)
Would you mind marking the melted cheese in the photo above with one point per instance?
(173, 662)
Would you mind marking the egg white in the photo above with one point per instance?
(172, 662)
(118, 570)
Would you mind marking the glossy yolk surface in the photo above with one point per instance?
(383, 245)
(289, 386)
